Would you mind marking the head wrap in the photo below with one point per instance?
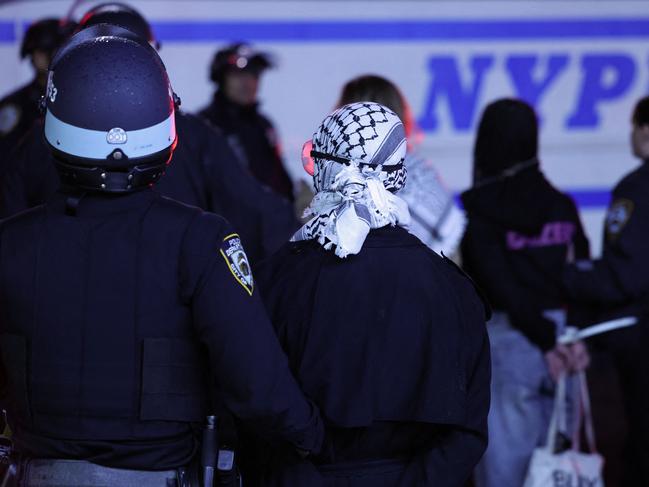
(359, 153)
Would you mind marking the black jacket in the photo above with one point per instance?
(254, 141)
(391, 345)
(202, 173)
(110, 322)
(18, 112)
(520, 233)
(620, 278)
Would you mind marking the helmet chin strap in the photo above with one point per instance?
(81, 180)
(97, 176)
(104, 180)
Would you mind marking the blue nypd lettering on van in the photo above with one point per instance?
(605, 78)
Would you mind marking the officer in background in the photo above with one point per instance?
(116, 302)
(19, 110)
(387, 337)
(236, 70)
(618, 285)
(204, 173)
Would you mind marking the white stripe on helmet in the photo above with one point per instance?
(97, 144)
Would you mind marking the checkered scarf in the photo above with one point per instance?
(358, 152)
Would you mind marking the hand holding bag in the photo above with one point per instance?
(569, 468)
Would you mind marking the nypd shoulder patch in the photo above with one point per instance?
(237, 261)
(618, 215)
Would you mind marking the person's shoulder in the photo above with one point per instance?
(565, 204)
(635, 184)
(290, 264)
(11, 109)
(199, 217)
(190, 122)
(290, 253)
(435, 273)
(201, 130)
(455, 281)
(264, 119)
(17, 95)
(204, 234)
(399, 247)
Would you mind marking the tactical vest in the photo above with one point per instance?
(95, 322)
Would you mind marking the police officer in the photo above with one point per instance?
(115, 301)
(203, 174)
(237, 70)
(386, 336)
(618, 285)
(19, 110)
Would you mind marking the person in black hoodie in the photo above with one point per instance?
(521, 231)
(618, 285)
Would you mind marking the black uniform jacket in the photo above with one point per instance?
(110, 322)
(520, 233)
(254, 141)
(18, 112)
(203, 173)
(619, 280)
(391, 345)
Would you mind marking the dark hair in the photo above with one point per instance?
(507, 135)
(375, 88)
(641, 112)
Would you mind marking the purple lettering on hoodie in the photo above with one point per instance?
(552, 233)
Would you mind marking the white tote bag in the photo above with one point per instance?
(570, 468)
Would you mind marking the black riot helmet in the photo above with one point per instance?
(122, 15)
(241, 57)
(45, 35)
(110, 111)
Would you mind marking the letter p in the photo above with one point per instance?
(596, 88)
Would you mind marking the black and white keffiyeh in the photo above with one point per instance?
(359, 153)
(435, 217)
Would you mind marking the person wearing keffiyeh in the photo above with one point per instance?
(386, 337)
(358, 152)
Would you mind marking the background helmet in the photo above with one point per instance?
(110, 111)
(45, 35)
(120, 14)
(238, 57)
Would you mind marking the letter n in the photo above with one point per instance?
(446, 83)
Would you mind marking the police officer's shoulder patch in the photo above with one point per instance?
(618, 216)
(9, 118)
(237, 261)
